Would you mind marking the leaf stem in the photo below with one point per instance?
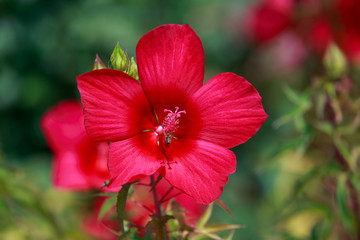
(161, 232)
(156, 200)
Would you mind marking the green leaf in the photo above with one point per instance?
(294, 114)
(221, 227)
(107, 205)
(104, 194)
(294, 143)
(341, 202)
(230, 235)
(316, 173)
(342, 147)
(355, 179)
(303, 205)
(202, 234)
(321, 230)
(120, 204)
(325, 127)
(4, 211)
(297, 98)
(303, 104)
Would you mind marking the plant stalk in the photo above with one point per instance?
(161, 233)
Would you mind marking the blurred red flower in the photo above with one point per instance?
(266, 20)
(349, 39)
(317, 23)
(169, 123)
(79, 162)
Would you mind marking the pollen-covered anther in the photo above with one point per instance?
(171, 121)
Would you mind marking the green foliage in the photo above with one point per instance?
(120, 204)
(30, 212)
(341, 196)
(107, 205)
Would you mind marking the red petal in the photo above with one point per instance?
(115, 105)
(93, 161)
(171, 65)
(133, 158)
(78, 163)
(135, 210)
(63, 125)
(199, 169)
(226, 111)
(67, 172)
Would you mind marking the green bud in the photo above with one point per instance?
(132, 69)
(98, 64)
(118, 59)
(335, 62)
(121, 61)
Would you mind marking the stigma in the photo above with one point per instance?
(169, 125)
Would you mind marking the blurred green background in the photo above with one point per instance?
(45, 44)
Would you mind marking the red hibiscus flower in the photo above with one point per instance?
(169, 123)
(266, 20)
(79, 162)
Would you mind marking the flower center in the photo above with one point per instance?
(165, 132)
(170, 124)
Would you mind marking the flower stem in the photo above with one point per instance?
(161, 232)
(353, 193)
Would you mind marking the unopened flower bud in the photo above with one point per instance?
(122, 62)
(118, 59)
(132, 69)
(335, 62)
(98, 64)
